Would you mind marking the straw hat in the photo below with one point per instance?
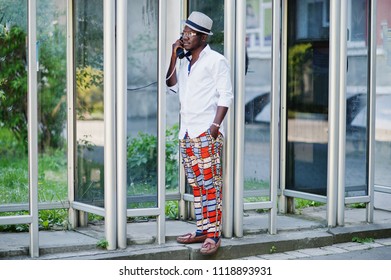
(200, 22)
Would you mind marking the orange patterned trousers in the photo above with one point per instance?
(201, 158)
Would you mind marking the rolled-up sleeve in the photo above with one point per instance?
(224, 85)
(172, 90)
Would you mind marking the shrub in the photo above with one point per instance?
(142, 158)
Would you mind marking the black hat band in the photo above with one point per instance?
(199, 27)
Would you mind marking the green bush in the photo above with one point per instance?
(142, 159)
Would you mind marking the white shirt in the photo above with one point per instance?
(201, 90)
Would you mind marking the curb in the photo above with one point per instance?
(235, 248)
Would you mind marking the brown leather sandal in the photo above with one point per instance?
(210, 246)
(190, 238)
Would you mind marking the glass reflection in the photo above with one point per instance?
(356, 100)
(89, 186)
(215, 10)
(307, 96)
(383, 96)
(52, 101)
(257, 98)
(142, 104)
(14, 184)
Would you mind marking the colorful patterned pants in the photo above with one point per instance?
(202, 162)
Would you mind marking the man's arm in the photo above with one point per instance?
(171, 72)
(220, 115)
(224, 87)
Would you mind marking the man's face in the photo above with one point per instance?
(191, 39)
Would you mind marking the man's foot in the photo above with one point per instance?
(191, 238)
(210, 246)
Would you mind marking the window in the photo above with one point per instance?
(309, 25)
(357, 22)
(258, 26)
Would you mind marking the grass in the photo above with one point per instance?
(14, 183)
(304, 203)
(363, 240)
(52, 178)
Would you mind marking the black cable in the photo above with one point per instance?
(135, 89)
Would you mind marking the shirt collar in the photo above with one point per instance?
(205, 51)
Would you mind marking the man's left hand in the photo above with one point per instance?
(214, 131)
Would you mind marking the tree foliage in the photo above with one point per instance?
(13, 82)
(51, 87)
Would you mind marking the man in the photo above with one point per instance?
(203, 83)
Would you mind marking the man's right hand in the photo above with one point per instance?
(178, 44)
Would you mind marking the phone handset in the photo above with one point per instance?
(180, 51)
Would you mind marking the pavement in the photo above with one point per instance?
(300, 236)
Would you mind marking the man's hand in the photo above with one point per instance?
(214, 131)
(178, 44)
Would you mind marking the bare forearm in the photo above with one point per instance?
(219, 117)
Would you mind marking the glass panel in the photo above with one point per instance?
(257, 98)
(89, 186)
(14, 182)
(142, 103)
(358, 20)
(307, 96)
(383, 95)
(52, 100)
(356, 103)
(215, 10)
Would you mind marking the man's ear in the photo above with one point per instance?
(204, 37)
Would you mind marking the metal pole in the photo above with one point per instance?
(333, 116)
(33, 126)
(228, 164)
(122, 82)
(109, 121)
(282, 199)
(240, 65)
(71, 114)
(274, 124)
(342, 112)
(161, 230)
(372, 110)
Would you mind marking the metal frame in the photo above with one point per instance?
(275, 140)
(122, 82)
(109, 123)
(71, 120)
(228, 151)
(32, 115)
(161, 225)
(335, 198)
(33, 126)
(282, 205)
(239, 87)
(334, 105)
(372, 110)
(159, 211)
(342, 111)
(274, 124)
